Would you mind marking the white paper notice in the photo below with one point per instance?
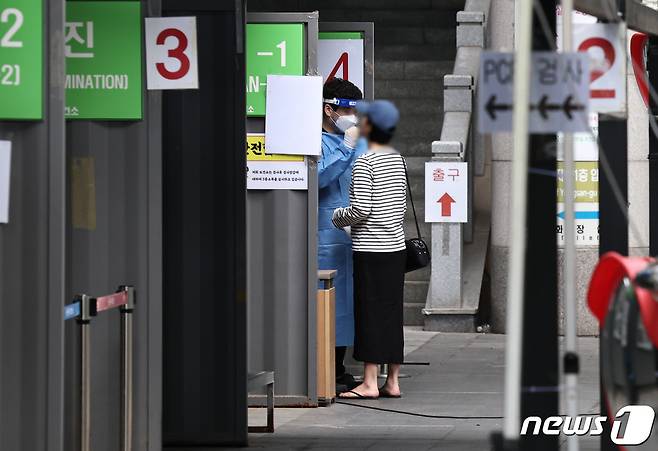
(5, 172)
(293, 114)
(277, 175)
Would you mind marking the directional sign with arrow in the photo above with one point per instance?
(446, 191)
(559, 92)
(581, 215)
(446, 204)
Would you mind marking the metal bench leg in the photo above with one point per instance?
(270, 408)
(270, 413)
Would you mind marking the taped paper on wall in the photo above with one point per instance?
(5, 176)
(83, 193)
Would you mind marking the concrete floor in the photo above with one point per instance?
(464, 378)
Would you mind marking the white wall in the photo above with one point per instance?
(502, 37)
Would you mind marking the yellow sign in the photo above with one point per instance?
(256, 150)
(586, 175)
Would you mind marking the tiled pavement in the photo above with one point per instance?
(464, 378)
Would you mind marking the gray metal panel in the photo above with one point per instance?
(148, 387)
(282, 264)
(32, 253)
(56, 11)
(368, 30)
(124, 248)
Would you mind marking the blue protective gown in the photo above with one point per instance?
(335, 245)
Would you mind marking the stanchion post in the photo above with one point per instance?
(127, 368)
(87, 310)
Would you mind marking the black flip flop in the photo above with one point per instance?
(385, 394)
(358, 396)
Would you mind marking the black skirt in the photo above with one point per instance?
(378, 305)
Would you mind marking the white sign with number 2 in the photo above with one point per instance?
(604, 42)
(171, 53)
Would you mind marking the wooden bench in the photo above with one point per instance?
(260, 380)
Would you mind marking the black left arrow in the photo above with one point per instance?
(569, 107)
(544, 107)
(492, 107)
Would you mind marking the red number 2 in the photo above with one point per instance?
(609, 55)
(177, 53)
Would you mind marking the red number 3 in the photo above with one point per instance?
(177, 53)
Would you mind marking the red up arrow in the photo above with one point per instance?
(446, 204)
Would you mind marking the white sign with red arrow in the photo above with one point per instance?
(446, 191)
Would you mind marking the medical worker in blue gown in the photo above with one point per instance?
(341, 145)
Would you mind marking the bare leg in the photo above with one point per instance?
(392, 385)
(369, 386)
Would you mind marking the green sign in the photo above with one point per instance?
(340, 35)
(276, 49)
(103, 48)
(21, 59)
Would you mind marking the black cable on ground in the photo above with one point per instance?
(442, 417)
(414, 414)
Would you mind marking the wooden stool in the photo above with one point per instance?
(326, 338)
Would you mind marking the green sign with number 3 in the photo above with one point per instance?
(276, 49)
(21, 59)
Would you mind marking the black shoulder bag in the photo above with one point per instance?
(418, 254)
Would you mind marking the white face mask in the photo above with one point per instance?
(345, 122)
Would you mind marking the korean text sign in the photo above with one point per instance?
(446, 191)
(21, 59)
(267, 171)
(103, 48)
(559, 92)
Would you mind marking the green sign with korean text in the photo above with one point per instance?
(276, 49)
(103, 48)
(21, 59)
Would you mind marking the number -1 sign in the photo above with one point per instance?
(171, 53)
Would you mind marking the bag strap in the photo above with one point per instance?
(411, 197)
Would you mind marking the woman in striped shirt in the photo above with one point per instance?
(375, 215)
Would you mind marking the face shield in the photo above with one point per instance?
(342, 122)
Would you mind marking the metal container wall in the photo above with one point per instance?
(32, 264)
(282, 264)
(205, 378)
(87, 215)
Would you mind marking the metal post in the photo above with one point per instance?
(570, 366)
(127, 369)
(540, 356)
(652, 69)
(87, 310)
(613, 223)
(514, 338)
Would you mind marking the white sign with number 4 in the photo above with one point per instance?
(171, 53)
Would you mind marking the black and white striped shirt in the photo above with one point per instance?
(378, 201)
